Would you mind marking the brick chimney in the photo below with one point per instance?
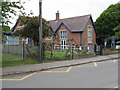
(57, 16)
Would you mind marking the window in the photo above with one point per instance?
(12, 40)
(63, 44)
(27, 40)
(89, 34)
(63, 34)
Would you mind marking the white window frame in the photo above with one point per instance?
(63, 44)
(90, 34)
(11, 40)
(25, 39)
(63, 35)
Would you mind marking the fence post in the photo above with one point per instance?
(71, 49)
(23, 50)
(101, 51)
(8, 47)
(59, 46)
(72, 52)
(95, 48)
(43, 51)
(51, 50)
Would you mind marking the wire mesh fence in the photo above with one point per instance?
(13, 50)
(58, 52)
(18, 50)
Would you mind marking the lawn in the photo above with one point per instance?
(9, 57)
(57, 55)
(8, 60)
(13, 60)
(16, 63)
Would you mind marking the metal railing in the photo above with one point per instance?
(19, 50)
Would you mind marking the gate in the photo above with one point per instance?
(98, 49)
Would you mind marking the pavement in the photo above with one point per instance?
(53, 65)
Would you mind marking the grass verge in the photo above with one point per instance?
(10, 57)
(16, 63)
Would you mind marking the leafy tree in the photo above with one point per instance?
(31, 28)
(6, 29)
(107, 23)
(7, 10)
(117, 32)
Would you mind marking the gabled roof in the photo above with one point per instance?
(13, 28)
(18, 20)
(74, 24)
(7, 33)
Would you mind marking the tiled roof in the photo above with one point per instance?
(73, 24)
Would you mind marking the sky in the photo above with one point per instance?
(67, 8)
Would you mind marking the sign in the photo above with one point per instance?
(113, 41)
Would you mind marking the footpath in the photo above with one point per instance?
(56, 64)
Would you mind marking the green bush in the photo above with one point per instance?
(57, 55)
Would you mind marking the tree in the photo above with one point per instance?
(31, 28)
(7, 10)
(117, 32)
(107, 22)
(6, 29)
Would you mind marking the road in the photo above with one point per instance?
(93, 75)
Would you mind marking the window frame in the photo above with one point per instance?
(11, 40)
(90, 34)
(63, 34)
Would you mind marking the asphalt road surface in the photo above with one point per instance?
(93, 75)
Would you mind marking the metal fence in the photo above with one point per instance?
(0, 52)
(22, 51)
(58, 52)
(18, 50)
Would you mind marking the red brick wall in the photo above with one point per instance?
(85, 35)
(76, 36)
(20, 37)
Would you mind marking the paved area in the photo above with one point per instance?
(57, 64)
(92, 75)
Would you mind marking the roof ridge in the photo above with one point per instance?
(72, 17)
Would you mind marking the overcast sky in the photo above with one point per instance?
(68, 8)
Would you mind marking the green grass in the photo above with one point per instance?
(57, 55)
(16, 63)
(10, 57)
(13, 60)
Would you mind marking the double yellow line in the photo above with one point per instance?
(21, 78)
(95, 64)
(68, 70)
